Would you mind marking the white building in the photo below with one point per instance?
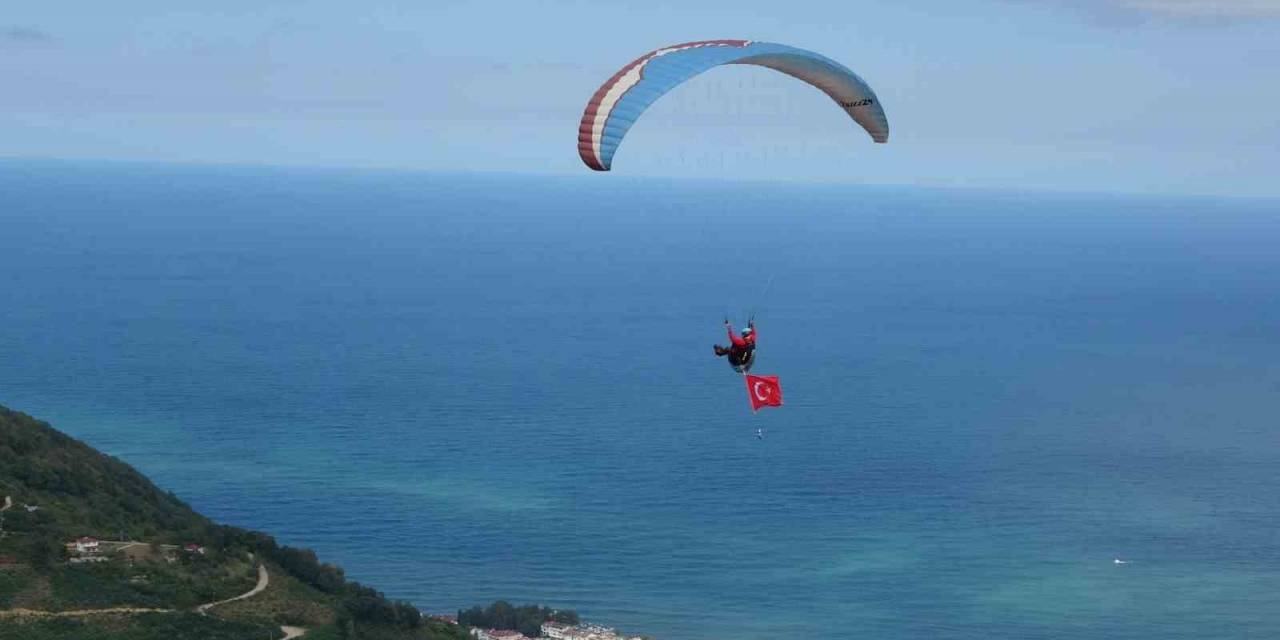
(86, 545)
(561, 631)
(557, 630)
(498, 634)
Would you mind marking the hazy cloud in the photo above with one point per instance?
(23, 35)
(1206, 9)
(1179, 11)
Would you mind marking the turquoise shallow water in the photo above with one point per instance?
(470, 387)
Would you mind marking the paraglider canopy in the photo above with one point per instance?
(618, 103)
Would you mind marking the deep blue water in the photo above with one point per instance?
(469, 387)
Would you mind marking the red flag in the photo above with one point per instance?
(764, 391)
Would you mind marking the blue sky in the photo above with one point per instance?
(1166, 96)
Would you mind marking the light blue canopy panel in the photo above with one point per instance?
(620, 101)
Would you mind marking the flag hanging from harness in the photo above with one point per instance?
(764, 391)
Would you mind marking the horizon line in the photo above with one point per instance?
(586, 174)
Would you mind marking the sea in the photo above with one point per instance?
(470, 387)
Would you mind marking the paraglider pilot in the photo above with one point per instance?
(740, 347)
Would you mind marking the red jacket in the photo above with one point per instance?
(739, 341)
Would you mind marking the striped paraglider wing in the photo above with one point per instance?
(618, 103)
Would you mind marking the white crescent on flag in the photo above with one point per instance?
(756, 389)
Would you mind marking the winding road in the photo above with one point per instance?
(12, 613)
(263, 580)
(8, 502)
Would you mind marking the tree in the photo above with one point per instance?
(45, 552)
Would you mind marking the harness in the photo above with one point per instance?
(741, 356)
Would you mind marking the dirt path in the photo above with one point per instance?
(293, 632)
(15, 613)
(263, 580)
(8, 502)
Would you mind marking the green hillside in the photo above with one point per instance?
(151, 551)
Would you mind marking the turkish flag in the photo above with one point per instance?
(764, 391)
